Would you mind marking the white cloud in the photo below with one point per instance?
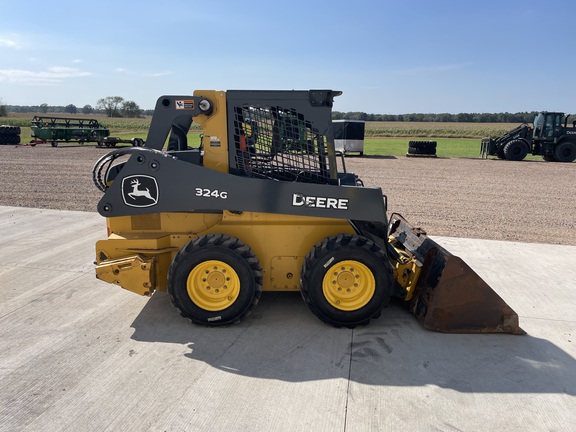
(144, 74)
(53, 75)
(158, 74)
(8, 42)
(67, 72)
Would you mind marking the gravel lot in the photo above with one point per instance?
(528, 201)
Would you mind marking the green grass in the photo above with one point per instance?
(435, 129)
(446, 147)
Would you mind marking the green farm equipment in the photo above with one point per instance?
(70, 129)
(55, 129)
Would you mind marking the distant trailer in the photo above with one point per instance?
(349, 136)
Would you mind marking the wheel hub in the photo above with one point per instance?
(348, 285)
(213, 285)
(215, 279)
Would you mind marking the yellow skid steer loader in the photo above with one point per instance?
(260, 205)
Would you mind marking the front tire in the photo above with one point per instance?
(346, 280)
(215, 280)
(516, 150)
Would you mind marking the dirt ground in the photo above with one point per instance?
(528, 201)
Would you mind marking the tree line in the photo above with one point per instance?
(117, 106)
(520, 117)
(111, 106)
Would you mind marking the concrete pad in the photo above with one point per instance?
(79, 354)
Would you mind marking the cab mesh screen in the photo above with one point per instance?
(278, 143)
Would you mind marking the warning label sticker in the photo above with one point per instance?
(184, 104)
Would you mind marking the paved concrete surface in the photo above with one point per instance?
(77, 354)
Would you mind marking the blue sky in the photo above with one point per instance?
(386, 56)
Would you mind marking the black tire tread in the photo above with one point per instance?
(421, 151)
(225, 241)
(320, 250)
(10, 130)
(9, 139)
(560, 155)
(427, 148)
(423, 145)
(508, 150)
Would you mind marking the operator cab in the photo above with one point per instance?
(548, 125)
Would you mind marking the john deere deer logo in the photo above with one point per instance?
(139, 191)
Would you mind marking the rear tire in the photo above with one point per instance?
(215, 280)
(549, 158)
(565, 152)
(515, 150)
(346, 280)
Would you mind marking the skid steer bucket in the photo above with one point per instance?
(448, 295)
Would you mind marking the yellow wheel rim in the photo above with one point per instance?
(213, 285)
(348, 285)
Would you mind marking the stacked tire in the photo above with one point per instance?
(422, 148)
(9, 135)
